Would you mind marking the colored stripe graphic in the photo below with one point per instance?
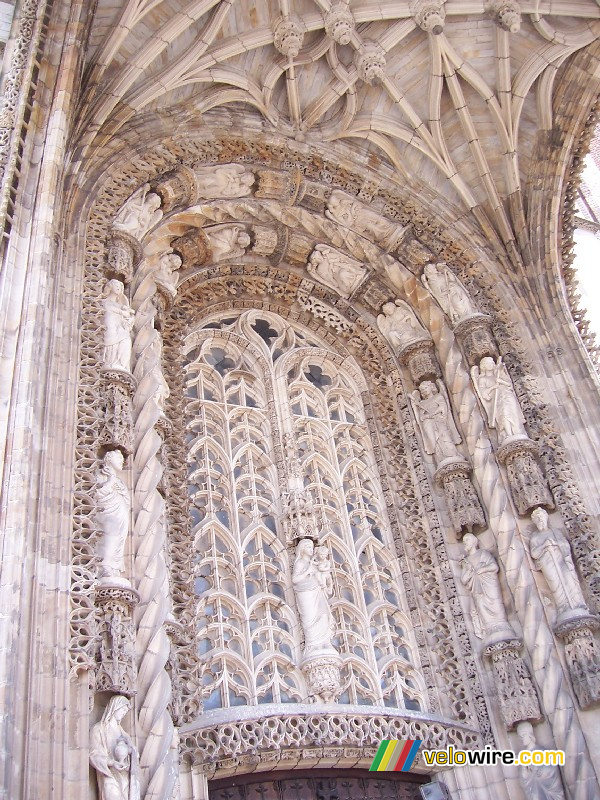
(395, 755)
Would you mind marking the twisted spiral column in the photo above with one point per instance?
(155, 727)
(557, 701)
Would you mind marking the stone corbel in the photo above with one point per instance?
(475, 335)
(115, 670)
(322, 674)
(528, 486)
(583, 657)
(177, 188)
(516, 693)
(420, 359)
(117, 424)
(463, 503)
(124, 253)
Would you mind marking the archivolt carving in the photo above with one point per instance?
(455, 670)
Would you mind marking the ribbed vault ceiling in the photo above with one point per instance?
(454, 94)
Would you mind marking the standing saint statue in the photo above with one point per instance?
(114, 504)
(432, 410)
(480, 576)
(118, 322)
(113, 755)
(495, 390)
(452, 296)
(400, 326)
(551, 553)
(140, 213)
(311, 590)
(540, 782)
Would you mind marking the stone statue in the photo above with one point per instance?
(551, 553)
(445, 287)
(495, 390)
(432, 410)
(224, 180)
(480, 576)
(118, 322)
(140, 213)
(400, 326)
(112, 497)
(113, 755)
(227, 241)
(323, 567)
(165, 274)
(335, 269)
(354, 215)
(540, 782)
(312, 600)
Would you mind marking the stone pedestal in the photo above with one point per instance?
(124, 253)
(527, 483)
(115, 671)
(516, 692)
(118, 387)
(420, 359)
(177, 188)
(463, 503)
(322, 673)
(475, 335)
(583, 656)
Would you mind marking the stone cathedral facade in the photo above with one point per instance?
(300, 420)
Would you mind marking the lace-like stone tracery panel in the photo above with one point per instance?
(257, 388)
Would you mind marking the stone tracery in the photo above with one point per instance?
(248, 285)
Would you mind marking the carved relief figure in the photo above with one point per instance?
(551, 553)
(445, 287)
(113, 755)
(224, 180)
(497, 395)
(323, 567)
(480, 576)
(431, 407)
(118, 322)
(228, 241)
(112, 497)
(354, 215)
(312, 600)
(335, 269)
(540, 782)
(165, 275)
(400, 326)
(140, 213)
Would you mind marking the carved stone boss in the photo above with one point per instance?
(575, 625)
(516, 693)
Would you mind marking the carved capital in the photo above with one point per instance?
(528, 486)
(475, 335)
(516, 692)
(115, 670)
(462, 500)
(124, 253)
(177, 188)
(420, 359)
